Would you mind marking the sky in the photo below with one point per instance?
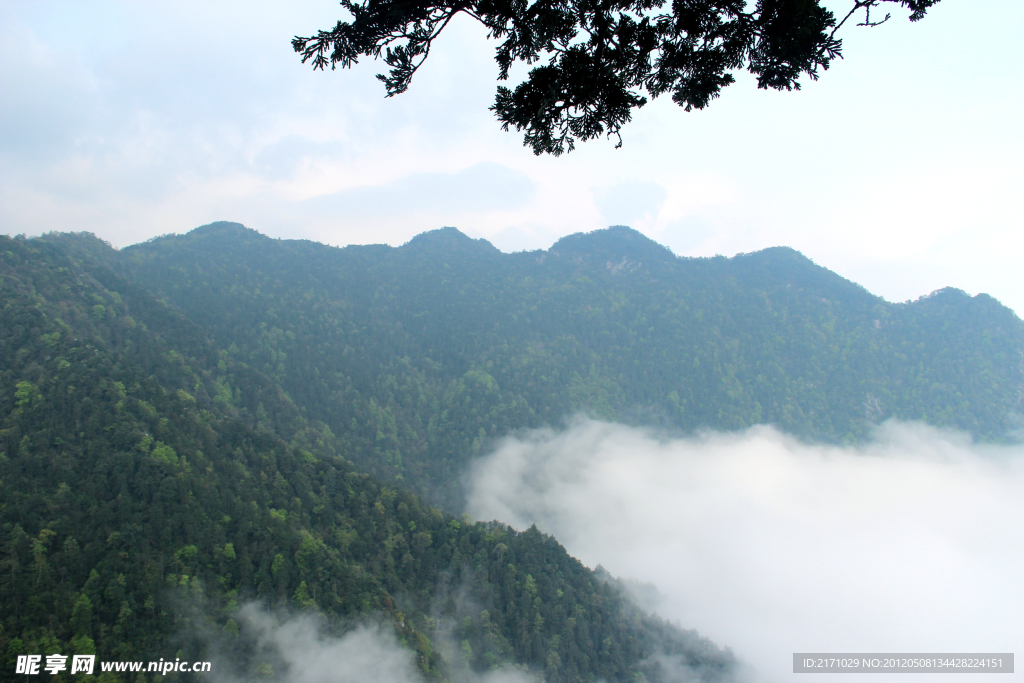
(899, 169)
(906, 544)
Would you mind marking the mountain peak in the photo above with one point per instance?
(786, 267)
(219, 228)
(447, 238)
(617, 241)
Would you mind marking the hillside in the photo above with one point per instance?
(151, 483)
(417, 357)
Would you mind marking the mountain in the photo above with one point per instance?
(151, 483)
(417, 357)
(216, 418)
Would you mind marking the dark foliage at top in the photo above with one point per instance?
(596, 57)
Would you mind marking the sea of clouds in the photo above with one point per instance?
(912, 542)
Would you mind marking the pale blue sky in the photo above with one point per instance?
(899, 169)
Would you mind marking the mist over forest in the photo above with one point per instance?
(774, 546)
(439, 461)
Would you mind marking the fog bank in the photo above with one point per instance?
(301, 648)
(913, 542)
(298, 649)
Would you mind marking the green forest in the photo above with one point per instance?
(205, 420)
(415, 357)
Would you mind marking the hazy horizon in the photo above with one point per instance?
(133, 120)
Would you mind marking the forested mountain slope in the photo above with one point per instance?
(416, 356)
(151, 482)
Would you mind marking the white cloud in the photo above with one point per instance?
(300, 649)
(302, 653)
(770, 546)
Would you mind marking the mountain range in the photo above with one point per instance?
(204, 420)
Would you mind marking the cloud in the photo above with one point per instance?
(50, 99)
(302, 649)
(910, 543)
(483, 187)
(299, 650)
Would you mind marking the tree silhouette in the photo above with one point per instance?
(596, 58)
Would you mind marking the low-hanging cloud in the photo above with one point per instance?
(909, 543)
(300, 650)
(304, 648)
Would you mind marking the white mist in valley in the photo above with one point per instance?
(913, 542)
(298, 648)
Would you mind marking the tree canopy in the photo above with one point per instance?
(151, 484)
(416, 358)
(208, 419)
(596, 58)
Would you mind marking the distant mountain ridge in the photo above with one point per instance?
(417, 356)
(618, 241)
